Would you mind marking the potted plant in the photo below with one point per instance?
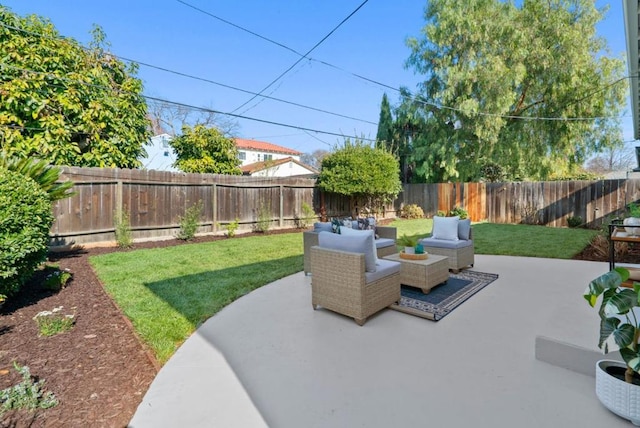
(633, 219)
(409, 243)
(617, 383)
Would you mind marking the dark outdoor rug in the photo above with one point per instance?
(443, 298)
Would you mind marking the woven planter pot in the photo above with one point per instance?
(620, 397)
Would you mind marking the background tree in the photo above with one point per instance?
(370, 176)
(613, 159)
(205, 150)
(314, 159)
(64, 103)
(385, 124)
(494, 71)
(170, 118)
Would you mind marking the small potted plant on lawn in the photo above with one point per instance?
(409, 243)
(617, 383)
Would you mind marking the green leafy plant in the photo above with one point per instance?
(54, 321)
(189, 223)
(574, 221)
(25, 222)
(122, 229)
(231, 227)
(39, 171)
(412, 211)
(56, 278)
(307, 217)
(460, 212)
(407, 241)
(618, 320)
(27, 394)
(634, 210)
(264, 218)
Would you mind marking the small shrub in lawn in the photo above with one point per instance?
(56, 278)
(264, 219)
(28, 394)
(412, 211)
(25, 221)
(460, 212)
(122, 229)
(574, 221)
(54, 321)
(231, 227)
(307, 217)
(189, 223)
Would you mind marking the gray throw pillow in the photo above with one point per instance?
(464, 229)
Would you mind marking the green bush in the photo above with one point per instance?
(122, 227)
(232, 227)
(307, 217)
(412, 211)
(574, 221)
(189, 223)
(25, 221)
(264, 219)
(459, 211)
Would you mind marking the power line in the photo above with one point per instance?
(202, 79)
(189, 106)
(302, 57)
(418, 99)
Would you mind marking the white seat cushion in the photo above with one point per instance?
(361, 243)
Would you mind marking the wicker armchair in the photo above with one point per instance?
(339, 283)
(386, 234)
(460, 253)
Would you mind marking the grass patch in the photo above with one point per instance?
(513, 239)
(530, 241)
(168, 292)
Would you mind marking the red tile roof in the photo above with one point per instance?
(264, 147)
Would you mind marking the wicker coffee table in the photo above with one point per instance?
(424, 274)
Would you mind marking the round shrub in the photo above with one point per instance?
(25, 221)
(412, 211)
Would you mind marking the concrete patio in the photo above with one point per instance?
(270, 360)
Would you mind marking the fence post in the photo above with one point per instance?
(119, 186)
(281, 222)
(214, 207)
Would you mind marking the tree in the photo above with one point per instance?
(613, 159)
(64, 103)
(530, 88)
(168, 118)
(367, 175)
(314, 159)
(205, 150)
(385, 123)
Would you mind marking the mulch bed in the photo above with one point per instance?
(99, 371)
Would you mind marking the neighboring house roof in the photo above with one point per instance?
(252, 168)
(264, 147)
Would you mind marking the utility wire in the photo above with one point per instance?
(176, 103)
(417, 99)
(302, 57)
(202, 79)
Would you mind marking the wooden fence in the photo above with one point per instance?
(155, 201)
(548, 203)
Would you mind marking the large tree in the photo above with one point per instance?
(205, 150)
(65, 103)
(385, 123)
(314, 159)
(528, 87)
(369, 176)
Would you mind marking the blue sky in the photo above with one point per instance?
(172, 35)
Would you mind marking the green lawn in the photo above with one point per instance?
(168, 292)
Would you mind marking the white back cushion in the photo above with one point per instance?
(445, 228)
